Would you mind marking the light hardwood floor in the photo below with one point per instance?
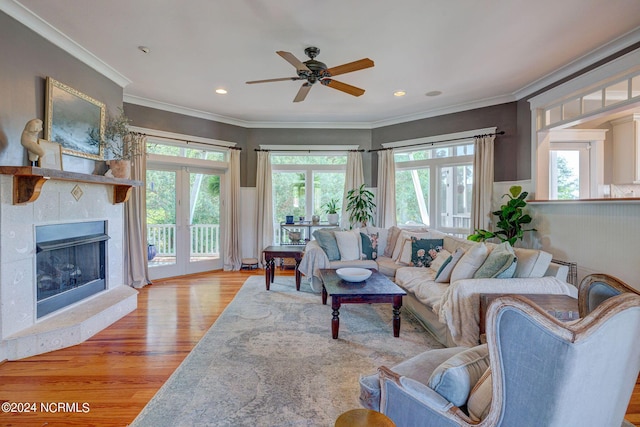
(118, 370)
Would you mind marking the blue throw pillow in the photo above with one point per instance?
(423, 251)
(327, 241)
(369, 246)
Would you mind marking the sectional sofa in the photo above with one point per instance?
(447, 306)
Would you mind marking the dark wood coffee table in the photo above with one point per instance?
(562, 307)
(376, 289)
(270, 253)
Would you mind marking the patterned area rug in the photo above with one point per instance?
(269, 360)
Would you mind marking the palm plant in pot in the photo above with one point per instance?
(118, 146)
(511, 219)
(331, 209)
(360, 206)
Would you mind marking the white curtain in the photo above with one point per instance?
(386, 198)
(264, 203)
(232, 239)
(353, 179)
(135, 223)
(482, 182)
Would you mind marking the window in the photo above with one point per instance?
(434, 186)
(303, 184)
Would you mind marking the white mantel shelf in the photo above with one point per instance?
(28, 182)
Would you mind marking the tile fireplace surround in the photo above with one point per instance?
(22, 335)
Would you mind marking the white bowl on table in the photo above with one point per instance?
(353, 274)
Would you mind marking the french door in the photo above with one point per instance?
(184, 221)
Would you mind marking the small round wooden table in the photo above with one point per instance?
(363, 418)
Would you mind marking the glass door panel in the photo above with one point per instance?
(204, 220)
(162, 220)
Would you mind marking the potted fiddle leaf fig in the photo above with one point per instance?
(511, 219)
(331, 209)
(360, 206)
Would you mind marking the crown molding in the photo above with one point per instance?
(58, 38)
(581, 63)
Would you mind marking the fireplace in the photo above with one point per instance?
(70, 263)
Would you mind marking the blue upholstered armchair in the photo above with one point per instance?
(542, 372)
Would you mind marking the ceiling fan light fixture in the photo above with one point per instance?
(399, 93)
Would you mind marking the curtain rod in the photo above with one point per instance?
(438, 142)
(187, 141)
(309, 151)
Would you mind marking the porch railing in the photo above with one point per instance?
(204, 239)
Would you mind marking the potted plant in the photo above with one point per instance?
(511, 219)
(331, 209)
(360, 206)
(118, 146)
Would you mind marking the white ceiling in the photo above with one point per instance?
(476, 52)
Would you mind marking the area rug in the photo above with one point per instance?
(269, 360)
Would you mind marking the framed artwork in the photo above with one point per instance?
(52, 158)
(74, 120)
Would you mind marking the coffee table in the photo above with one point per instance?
(272, 252)
(376, 289)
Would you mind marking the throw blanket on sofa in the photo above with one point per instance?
(459, 307)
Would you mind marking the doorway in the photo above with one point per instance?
(184, 222)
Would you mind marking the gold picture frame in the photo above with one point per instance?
(74, 120)
(52, 158)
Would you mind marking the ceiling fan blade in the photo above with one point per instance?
(302, 93)
(281, 79)
(350, 67)
(346, 88)
(291, 59)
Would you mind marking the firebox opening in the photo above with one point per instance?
(71, 263)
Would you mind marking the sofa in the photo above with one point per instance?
(447, 304)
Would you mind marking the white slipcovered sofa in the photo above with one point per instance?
(449, 309)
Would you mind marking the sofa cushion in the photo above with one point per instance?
(383, 235)
(387, 266)
(531, 262)
(470, 262)
(423, 251)
(480, 397)
(439, 260)
(392, 237)
(327, 241)
(444, 273)
(455, 377)
(369, 245)
(348, 244)
(500, 259)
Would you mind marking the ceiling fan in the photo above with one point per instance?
(315, 71)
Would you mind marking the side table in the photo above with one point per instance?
(270, 253)
(562, 307)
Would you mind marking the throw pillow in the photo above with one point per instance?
(442, 257)
(394, 232)
(348, 245)
(383, 234)
(423, 251)
(327, 241)
(455, 377)
(469, 263)
(403, 243)
(479, 401)
(532, 262)
(444, 273)
(369, 246)
(500, 259)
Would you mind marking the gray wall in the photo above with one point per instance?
(27, 59)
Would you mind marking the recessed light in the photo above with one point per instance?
(221, 91)
(399, 93)
(433, 93)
